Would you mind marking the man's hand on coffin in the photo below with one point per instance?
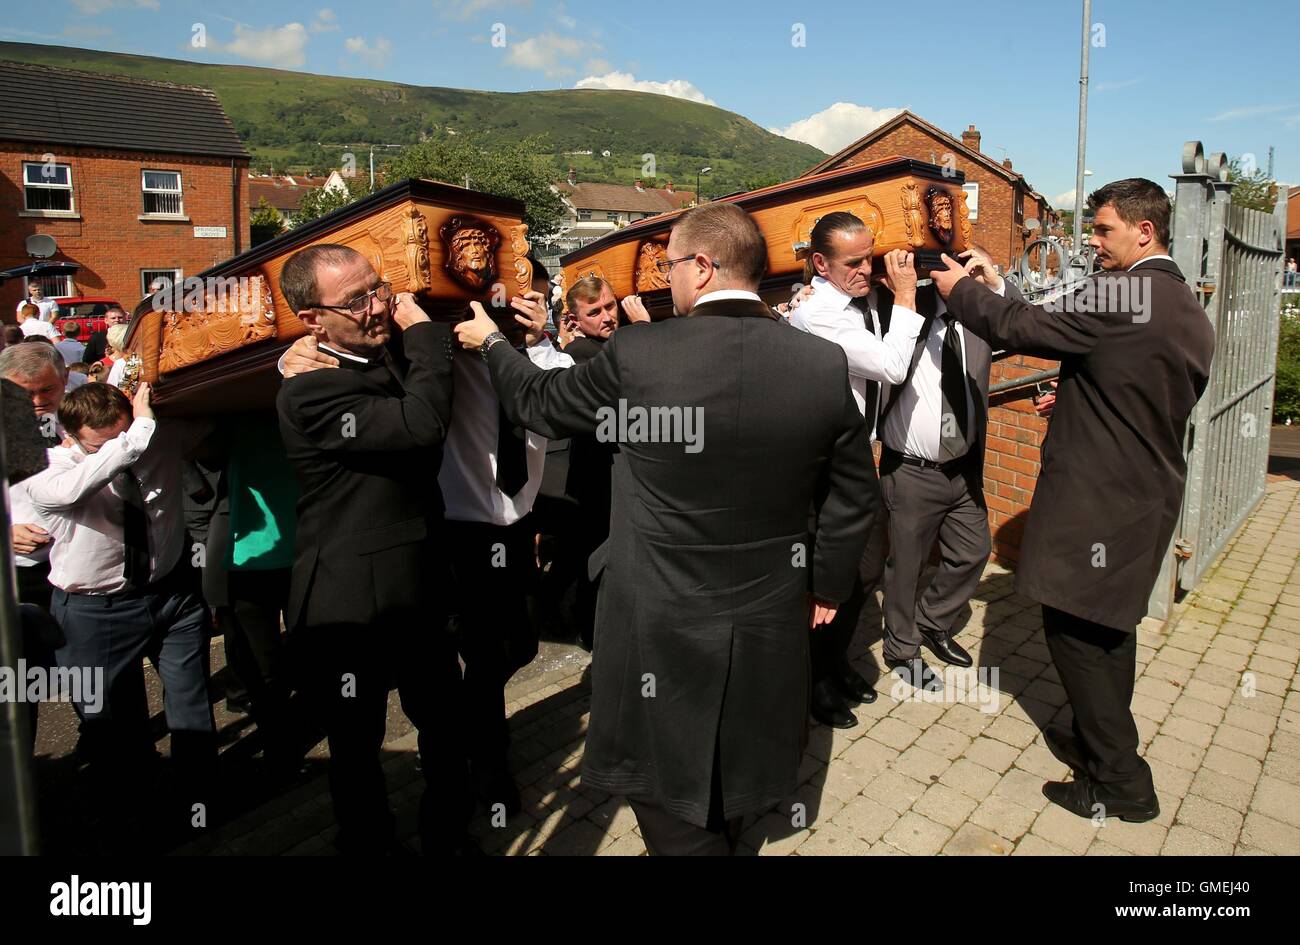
(406, 311)
(27, 538)
(303, 357)
(568, 330)
(471, 333)
(635, 309)
(980, 268)
(530, 312)
(900, 277)
(140, 405)
(799, 296)
(948, 275)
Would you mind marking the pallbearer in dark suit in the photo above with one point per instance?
(932, 429)
(844, 308)
(366, 599)
(700, 671)
(1135, 350)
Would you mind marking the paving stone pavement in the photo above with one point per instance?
(1217, 703)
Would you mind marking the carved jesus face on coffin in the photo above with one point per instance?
(941, 213)
(471, 252)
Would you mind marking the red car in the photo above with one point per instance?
(87, 311)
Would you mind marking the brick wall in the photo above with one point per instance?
(107, 239)
(1015, 432)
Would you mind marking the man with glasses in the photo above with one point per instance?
(366, 599)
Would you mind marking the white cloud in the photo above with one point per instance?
(1250, 111)
(595, 66)
(96, 7)
(276, 45)
(833, 128)
(326, 22)
(466, 9)
(1064, 200)
(550, 53)
(677, 88)
(376, 55)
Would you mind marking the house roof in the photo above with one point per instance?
(48, 105)
(592, 196)
(906, 117)
(279, 192)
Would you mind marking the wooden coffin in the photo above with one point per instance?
(901, 199)
(210, 345)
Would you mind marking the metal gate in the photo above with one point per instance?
(1233, 260)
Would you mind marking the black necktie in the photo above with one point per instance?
(952, 423)
(512, 455)
(872, 387)
(135, 530)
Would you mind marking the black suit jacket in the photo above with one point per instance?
(366, 444)
(96, 347)
(1111, 483)
(710, 558)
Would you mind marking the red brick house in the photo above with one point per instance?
(1001, 201)
(135, 180)
(1002, 205)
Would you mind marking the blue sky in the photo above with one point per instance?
(1162, 72)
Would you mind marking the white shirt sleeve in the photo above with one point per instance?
(116, 371)
(548, 357)
(65, 485)
(874, 358)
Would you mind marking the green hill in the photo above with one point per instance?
(295, 120)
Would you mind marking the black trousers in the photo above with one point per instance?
(925, 504)
(255, 651)
(1097, 665)
(494, 571)
(829, 644)
(347, 672)
(666, 834)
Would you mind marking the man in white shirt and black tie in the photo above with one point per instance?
(124, 588)
(844, 308)
(931, 429)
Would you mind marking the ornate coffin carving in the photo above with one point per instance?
(908, 204)
(445, 244)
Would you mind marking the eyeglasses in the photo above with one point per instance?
(666, 265)
(361, 304)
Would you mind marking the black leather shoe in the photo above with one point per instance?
(1063, 744)
(829, 708)
(916, 673)
(852, 685)
(946, 648)
(1086, 798)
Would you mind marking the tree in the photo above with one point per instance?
(522, 171)
(318, 202)
(264, 223)
(1254, 189)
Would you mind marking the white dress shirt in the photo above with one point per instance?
(913, 424)
(829, 313)
(1145, 259)
(469, 459)
(49, 308)
(22, 512)
(719, 295)
(77, 503)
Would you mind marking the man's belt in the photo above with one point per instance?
(887, 452)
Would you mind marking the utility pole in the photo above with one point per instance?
(1077, 243)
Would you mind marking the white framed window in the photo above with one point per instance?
(972, 199)
(151, 280)
(584, 214)
(58, 286)
(47, 186)
(162, 193)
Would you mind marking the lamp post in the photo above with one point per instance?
(1077, 241)
(703, 170)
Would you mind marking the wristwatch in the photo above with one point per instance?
(493, 338)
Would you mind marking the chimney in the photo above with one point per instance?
(1006, 162)
(573, 177)
(638, 185)
(971, 138)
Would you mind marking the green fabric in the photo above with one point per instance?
(263, 498)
